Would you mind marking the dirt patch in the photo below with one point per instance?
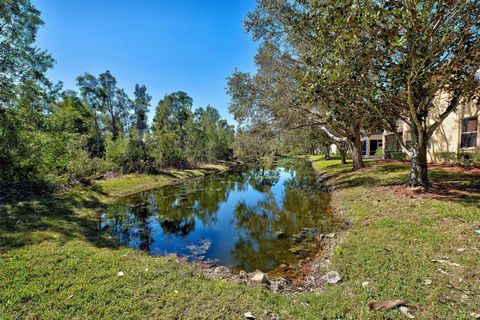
(436, 191)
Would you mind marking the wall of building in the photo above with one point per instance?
(447, 137)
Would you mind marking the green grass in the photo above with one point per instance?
(55, 265)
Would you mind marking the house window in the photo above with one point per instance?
(391, 142)
(469, 133)
(374, 145)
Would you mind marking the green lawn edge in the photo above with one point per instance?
(55, 265)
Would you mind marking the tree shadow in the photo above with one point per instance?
(61, 218)
(447, 185)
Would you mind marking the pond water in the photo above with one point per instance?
(248, 218)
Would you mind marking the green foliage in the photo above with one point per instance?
(446, 157)
(395, 155)
(379, 153)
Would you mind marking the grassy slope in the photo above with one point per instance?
(53, 263)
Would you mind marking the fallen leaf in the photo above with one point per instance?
(445, 262)
(249, 315)
(406, 312)
(384, 305)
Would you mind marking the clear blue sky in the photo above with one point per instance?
(168, 45)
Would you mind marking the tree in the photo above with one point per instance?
(91, 96)
(169, 127)
(116, 103)
(22, 65)
(24, 93)
(424, 52)
(141, 105)
(292, 93)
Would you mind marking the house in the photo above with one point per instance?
(458, 133)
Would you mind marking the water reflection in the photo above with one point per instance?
(248, 219)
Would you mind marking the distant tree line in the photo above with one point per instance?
(50, 137)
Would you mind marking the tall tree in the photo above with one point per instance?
(116, 103)
(22, 65)
(91, 96)
(24, 92)
(172, 114)
(142, 104)
(427, 54)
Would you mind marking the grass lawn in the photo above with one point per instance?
(55, 265)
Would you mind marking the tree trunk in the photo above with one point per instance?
(343, 155)
(418, 176)
(97, 137)
(342, 147)
(355, 144)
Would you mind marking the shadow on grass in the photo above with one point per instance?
(456, 186)
(53, 217)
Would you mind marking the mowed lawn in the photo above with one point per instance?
(419, 248)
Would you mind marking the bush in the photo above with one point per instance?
(469, 159)
(395, 155)
(379, 153)
(446, 157)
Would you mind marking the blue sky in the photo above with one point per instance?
(168, 45)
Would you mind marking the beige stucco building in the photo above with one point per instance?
(458, 133)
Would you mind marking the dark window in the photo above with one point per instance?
(469, 133)
(374, 145)
(391, 142)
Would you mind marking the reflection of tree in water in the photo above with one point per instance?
(175, 208)
(263, 179)
(131, 223)
(302, 177)
(258, 227)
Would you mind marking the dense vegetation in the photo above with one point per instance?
(50, 137)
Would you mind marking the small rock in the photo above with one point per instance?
(249, 315)
(461, 249)
(260, 277)
(279, 284)
(475, 315)
(219, 270)
(242, 274)
(464, 296)
(176, 291)
(365, 283)
(120, 274)
(330, 235)
(428, 281)
(332, 277)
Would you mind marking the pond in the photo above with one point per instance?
(247, 218)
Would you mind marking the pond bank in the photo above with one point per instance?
(422, 249)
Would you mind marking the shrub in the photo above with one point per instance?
(446, 157)
(395, 155)
(379, 153)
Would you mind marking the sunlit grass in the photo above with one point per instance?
(54, 263)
